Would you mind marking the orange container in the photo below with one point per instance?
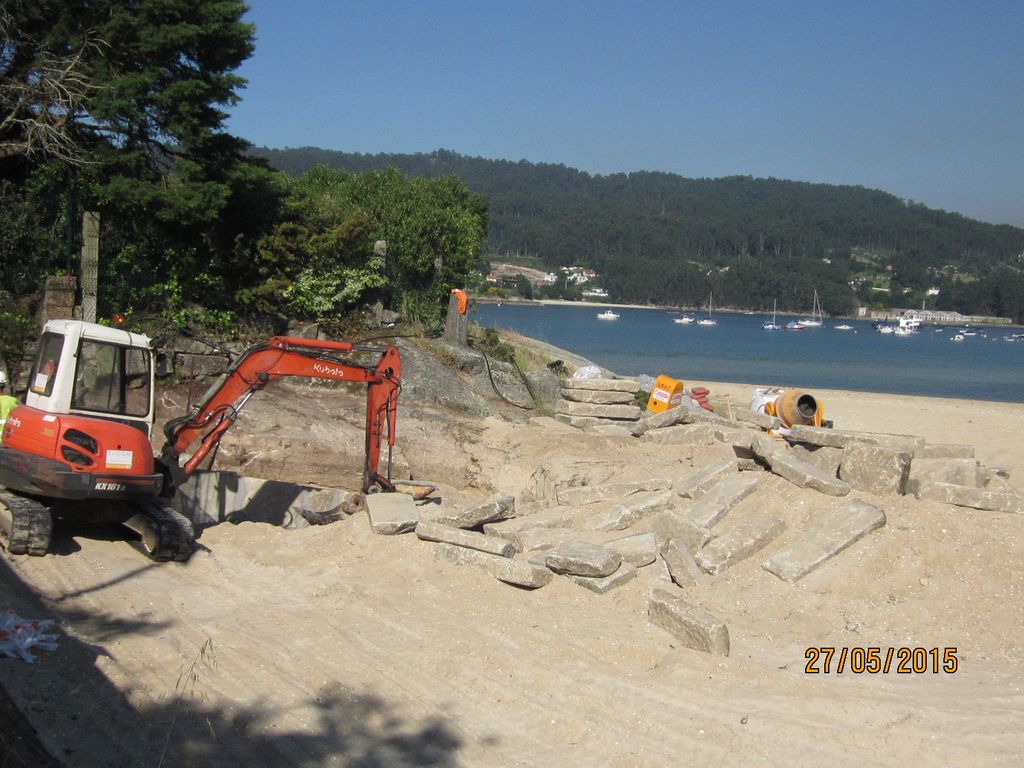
(666, 393)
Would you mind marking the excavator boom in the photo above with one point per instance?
(290, 356)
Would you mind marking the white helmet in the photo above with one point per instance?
(3, 379)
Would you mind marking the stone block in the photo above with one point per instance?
(820, 456)
(946, 451)
(610, 385)
(630, 511)
(739, 543)
(697, 484)
(682, 567)
(532, 539)
(720, 498)
(758, 419)
(737, 437)
(976, 498)
(682, 434)
(673, 524)
(875, 468)
(392, 513)
(582, 559)
(965, 472)
(836, 530)
(557, 517)
(432, 531)
(618, 412)
(582, 495)
(495, 510)
(691, 625)
(638, 549)
(520, 572)
(803, 474)
(601, 584)
(597, 396)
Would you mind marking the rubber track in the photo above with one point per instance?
(177, 538)
(31, 525)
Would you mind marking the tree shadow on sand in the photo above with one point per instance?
(73, 712)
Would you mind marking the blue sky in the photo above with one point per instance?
(921, 99)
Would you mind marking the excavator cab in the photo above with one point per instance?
(91, 370)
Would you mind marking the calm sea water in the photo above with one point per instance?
(646, 341)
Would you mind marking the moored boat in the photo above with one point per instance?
(607, 315)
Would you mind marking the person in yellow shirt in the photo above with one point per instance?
(7, 404)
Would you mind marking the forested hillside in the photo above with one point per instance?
(661, 238)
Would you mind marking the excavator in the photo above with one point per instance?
(80, 444)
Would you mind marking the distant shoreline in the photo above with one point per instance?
(519, 302)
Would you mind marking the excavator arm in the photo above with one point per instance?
(290, 356)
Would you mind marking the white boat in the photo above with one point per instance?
(958, 337)
(607, 315)
(816, 320)
(684, 320)
(708, 320)
(793, 325)
(772, 326)
(909, 324)
(844, 327)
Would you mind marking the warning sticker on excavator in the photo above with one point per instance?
(119, 459)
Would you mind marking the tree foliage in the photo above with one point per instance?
(662, 238)
(348, 238)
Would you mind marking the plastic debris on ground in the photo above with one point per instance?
(18, 636)
(587, 372)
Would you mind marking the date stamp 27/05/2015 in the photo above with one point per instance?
(873, 660)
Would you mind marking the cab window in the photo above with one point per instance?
(111, 379)
(44, 373)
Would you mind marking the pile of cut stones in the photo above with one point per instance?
(600, 536)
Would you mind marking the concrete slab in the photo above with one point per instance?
(621, 412)
(492, 511)
(579, 558)
(392, 513)
(631, 511)
(698, 483)
(837, 530)
(597, 396)
(431, 531)
(976, 498)
(638, 549)
(803, 474)
(673, 524)
(740, 542)
(722, 497)
(610, 385)
(682, 434)
(691, 625)
(556, 517)
(622, 575)
(682, 568)
(520, 572)
(591, 494)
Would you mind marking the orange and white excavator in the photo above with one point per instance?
(80, 443)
